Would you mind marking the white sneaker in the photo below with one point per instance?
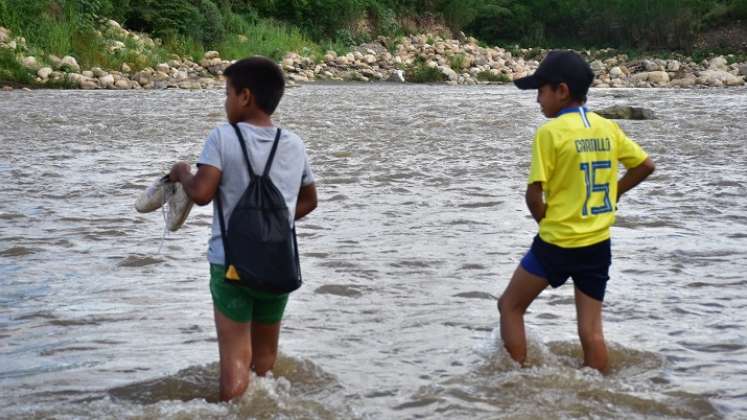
(156, 195)
(179, 206)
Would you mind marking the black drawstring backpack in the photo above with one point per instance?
(260, 245)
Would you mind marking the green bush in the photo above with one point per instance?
(269, 38)
(456, 62)
(487, 76)
(421, 73)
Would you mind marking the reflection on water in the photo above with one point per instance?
(421, 222)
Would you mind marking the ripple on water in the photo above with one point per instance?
(18, 251)
(139, 261)
(553, 386)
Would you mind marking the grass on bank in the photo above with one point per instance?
(12, 70)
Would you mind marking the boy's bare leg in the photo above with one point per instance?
(264, 346)
(589, 314)
(523, 288)
(235, 348)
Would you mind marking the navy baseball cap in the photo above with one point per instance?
(560, 67)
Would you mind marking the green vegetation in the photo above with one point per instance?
(10, 69)
(239, 28)
(487, 76)
(420, 72)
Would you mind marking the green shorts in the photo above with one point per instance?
(242, 304)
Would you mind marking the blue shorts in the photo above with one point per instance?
(588, 266)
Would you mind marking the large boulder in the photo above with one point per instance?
(616, 73)
(620, 112)
(44, 72)
(69, 64)
(655, 77)
(211, 55)
(719, 78)
(743, 69)
(107, 82)
(718, 63)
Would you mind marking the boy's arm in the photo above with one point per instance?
(635, 176)
(535, 201)
(200, 187)
(307, 200)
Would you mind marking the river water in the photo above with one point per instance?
(421, 220)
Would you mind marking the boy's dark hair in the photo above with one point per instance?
(262, 77)
(561, 67)
(578, 94)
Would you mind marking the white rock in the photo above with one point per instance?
(4, 34)
(113, 24)
(650, 66)
(397, 76)
(448, 72)
(673, 65)
(616, 73)
(658, 77)
(44, 72)
(30, 63)
(88, 84)
(718, 63)
(88, 73)
(98, 72)
(70, 64)
(122, 84)
(163, 67)
(211, 55)
(115, 46)
(685, 82)
(597, 66)
(126, 68)
(743, 69)
(107, 81)
(181, 75)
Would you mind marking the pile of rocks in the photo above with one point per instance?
(177, 72)
(456, 61)
(466, 62)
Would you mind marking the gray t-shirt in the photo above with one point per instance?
(290, 170)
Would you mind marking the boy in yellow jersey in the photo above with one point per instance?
(572, 192)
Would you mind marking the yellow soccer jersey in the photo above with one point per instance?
(576, 157)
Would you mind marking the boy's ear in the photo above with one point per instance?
(564, 90)
(246, 97)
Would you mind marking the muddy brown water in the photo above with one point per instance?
(421, 220)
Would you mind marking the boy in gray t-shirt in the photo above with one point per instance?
(247, 320)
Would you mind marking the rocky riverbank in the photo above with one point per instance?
(420, 58)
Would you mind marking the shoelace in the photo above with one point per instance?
(165, 216)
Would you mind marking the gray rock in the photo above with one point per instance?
(620, 112)
(743, 69)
